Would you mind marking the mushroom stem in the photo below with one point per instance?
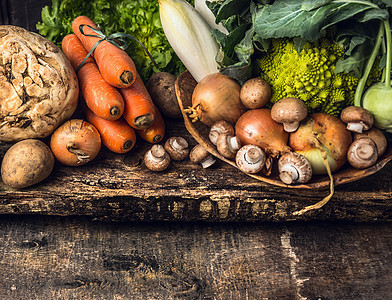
(250, 159)
(178, 143)
(362, 153)
(157, 153)
(207, 162)
(253, 155)
(355, 127)
(234, 143)
(289, 174)
(219, 128)
(157, 159)
(290, 127)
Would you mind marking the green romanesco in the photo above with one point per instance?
(310, 75)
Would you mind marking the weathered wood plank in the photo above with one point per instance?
(119, 187)
(73, 258)
(116, 187)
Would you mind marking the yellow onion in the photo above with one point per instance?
(216, 97)
(324, 140)
(75, 143)
(322, 133)
(256, 127)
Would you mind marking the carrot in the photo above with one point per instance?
(139, 109)
(102, 98)
(155, 133)
(116, 66)
(116, 135)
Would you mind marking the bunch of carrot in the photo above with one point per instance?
(116, 100)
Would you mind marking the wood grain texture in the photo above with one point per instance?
(69, 258)
(120, 187)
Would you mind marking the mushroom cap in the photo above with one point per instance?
(177, 147)
(250, 159)
(377, 136)
(218, 128)
(198, 153)
(156, 158)
(289, 111)
(362, 153)
(294, 168)
(357, 115)
(228, 145)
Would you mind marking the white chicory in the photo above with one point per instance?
(190, 37)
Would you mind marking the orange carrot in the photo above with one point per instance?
(116, 135)
(139, 109)
(102, 98)
(155, 133)
(116, 66)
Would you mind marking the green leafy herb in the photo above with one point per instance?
(139, 18)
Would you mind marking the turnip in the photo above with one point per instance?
(378, 98)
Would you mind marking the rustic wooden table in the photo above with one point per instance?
(101, 231)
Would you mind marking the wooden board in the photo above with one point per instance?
(73, 258)
(119, 187)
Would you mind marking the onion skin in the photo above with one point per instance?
(75, 143)
(216, 97)
(258, 128)
(322, 130)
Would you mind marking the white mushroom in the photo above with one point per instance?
(219, 128)
(250, 159)
(156, 158)
(357, 118)
(177, 147)
(290, 112)
(199, 155)
(294, 168)
(362, 153)
(228, 145)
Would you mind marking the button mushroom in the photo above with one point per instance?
(156, 158)
(294, 168)
(250, 159)
(199, 155)
(228, 145)
(290, 112)
(377, 136)
(362, 153)
(218, 128)
(357, 118)
(177, 147)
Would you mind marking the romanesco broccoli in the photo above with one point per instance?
(310, 75)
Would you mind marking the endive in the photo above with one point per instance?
(190, 37)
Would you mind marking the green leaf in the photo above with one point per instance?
(292, 18)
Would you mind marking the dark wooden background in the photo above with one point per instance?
(63, 244)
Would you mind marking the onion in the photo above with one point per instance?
(256, 127)
(322, 133)
(75, 143)
(324, 140)
(216, 97)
